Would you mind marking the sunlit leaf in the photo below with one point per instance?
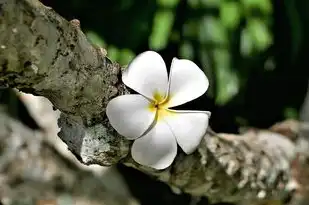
(264, 6)
(211, 3)
(162, 26)
(125, 56)
(113, 53)
(226, 78)
(95, 38)
(246, 43)
(186, 50)
(168, 3)
(212, 30)
(230, 14)
(194, 3)
(260, 33)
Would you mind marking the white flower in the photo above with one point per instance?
(148, 119)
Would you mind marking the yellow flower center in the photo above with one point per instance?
(160, 106)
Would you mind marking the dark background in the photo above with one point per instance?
(253, 51)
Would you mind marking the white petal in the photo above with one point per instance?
(189, 127)
(187, 82)
(147, 75)
(156, 149)
(130, 115)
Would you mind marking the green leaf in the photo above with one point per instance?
(162, 26)
(260, 33)
(168, 3)
(95, 38)
(230, 14)
(113, 53)
(186, 50)
(246, 43)
(227, 80)
(212, 30)
(263, 5)
(211, 3)
(194, 3)
(125, 56)
(290, 113)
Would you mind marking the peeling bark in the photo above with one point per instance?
(43, 54)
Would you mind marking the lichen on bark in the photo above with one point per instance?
(46, 55)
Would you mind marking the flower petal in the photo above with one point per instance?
(157, 148)
(130, 115)
(189, 127)
(147, 75)
(186, 82)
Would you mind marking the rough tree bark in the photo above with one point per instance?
(43, 54)
(32, 169)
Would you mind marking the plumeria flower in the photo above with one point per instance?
(147, 117)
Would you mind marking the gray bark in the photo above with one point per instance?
(43, 54)
(33, 169)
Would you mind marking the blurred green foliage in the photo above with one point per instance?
(253, 51)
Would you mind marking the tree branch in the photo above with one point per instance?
(33, 169)
(43, 54)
